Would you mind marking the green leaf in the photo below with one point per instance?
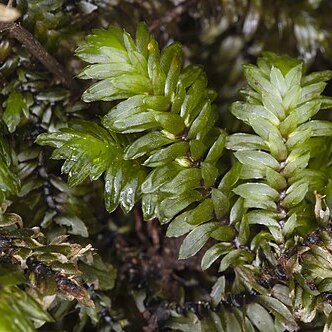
(142, 39)
(260, 317)
(77, 227)
(318, 127)
(258, 81)
(274, 105)
(295, 164)
(195, 100)
(290, 225)
(117, 87)
(186, 179)
(210, 174)
(257, 159)
(171, 122)
(197, 149)
(235, 257)
(218, 290)
(237, 211)
(275, 179)
(300, 115)
(256, 191)
(295, 194)
(244, 230)
(156, 74)
(298, 137)
(277, 147)
(173, 205)
(239, 142)
(203, 123)
(220, 202)
(15, 105)
(262, 218)
(146, 144)
(278, 80)
(213, 253)
(263, 128)
(230, 179)
(223, 233)
(178, 226)
(196, 239)
(86, 148)
(168, 154)
(171, 61)
(101, 275)
(278, 308)
(123, 180)
(161, 176)
(202, 213)
(245, 111)
(9, 182)
(216, 149)
(316, 77)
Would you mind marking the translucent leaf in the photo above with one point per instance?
(216, 149)
(257, 159)
(168, 154)
(245, 111)
(15, 106)
(278, 308)
(295, 164)
(117, 87)
(197, 149)
(86, 148)
(146, 144)
(258, 81)
(263, 128)
(213, 253)
(77, 227)
(178, 226)
(210, 174)
(155, 72)
(171, 122)
(295, 194)
(204, 121)
(186, 179)
(262, 218)
(318, 127)
(260, 317)
(171, 60)
(123, 180)
(195, 240)
(257, 191)
(235, 257)
(316, 77)
(275, 179)
(240, 142)
(172, 205)
(220, 202)
(203, 212)
(159, 177)
(278, 80)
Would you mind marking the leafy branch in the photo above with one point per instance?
(160, 144)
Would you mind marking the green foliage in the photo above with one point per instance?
(248, 201)
(257, 211)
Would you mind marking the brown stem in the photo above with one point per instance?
(38, 51)
(171, 15)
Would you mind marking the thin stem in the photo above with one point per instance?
(17, 32)
(171, 15)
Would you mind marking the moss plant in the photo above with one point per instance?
(261, 220)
